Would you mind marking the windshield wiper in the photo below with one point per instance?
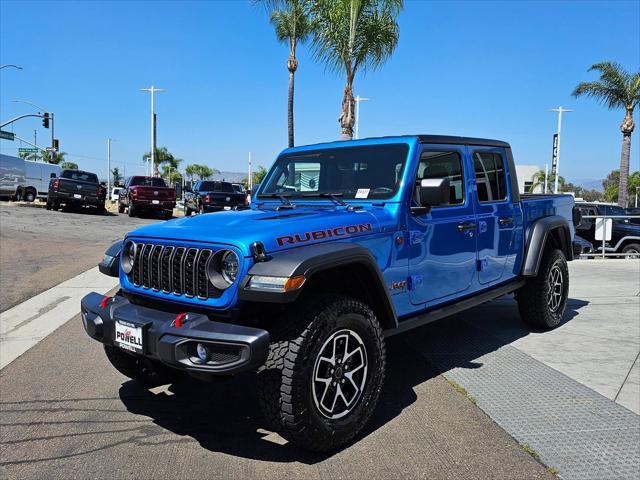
(282, 197)
(333, 196)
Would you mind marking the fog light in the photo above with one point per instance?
(203, 352)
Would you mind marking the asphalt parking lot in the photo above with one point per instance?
(42, 248)
(462, 396)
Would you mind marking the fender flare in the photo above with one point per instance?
(313, 259)
(537, 239)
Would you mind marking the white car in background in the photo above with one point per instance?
(115, 191)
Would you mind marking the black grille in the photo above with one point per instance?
(180, 270)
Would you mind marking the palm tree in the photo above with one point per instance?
(616, 88)
(35, 156)
(115, 173)
(191, 170)
(350, 35)
(539, 178)
(163, 157)
(292, 23)
(69, 166)
(53, 157)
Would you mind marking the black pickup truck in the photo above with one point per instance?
(209, 196)
(76, 188)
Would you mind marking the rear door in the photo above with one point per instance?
(443, 242)
(496, 214)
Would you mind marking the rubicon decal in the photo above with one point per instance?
(322, 234)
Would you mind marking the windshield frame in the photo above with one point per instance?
(303, 197)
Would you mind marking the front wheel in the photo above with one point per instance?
(543, 299)
(632, 249)
(324, 373)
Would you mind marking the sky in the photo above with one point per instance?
(473, 68)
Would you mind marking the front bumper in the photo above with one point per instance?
(234, 348)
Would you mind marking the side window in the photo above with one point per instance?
(491, 179)
(443, 164)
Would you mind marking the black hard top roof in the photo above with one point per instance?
(450, 139)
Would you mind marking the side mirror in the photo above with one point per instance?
(53, 175)
(432, 192)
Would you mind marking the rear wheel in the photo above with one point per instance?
(101, 209)
(187, 211)
(120, 208)
(132, 209)
(140, 369)
(543, 299)
(633, 249)
(29, 196)
(48, 205)
(168, 214)
(324, 373)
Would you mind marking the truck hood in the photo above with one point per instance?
(277, 230)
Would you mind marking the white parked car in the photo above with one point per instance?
(115, 191)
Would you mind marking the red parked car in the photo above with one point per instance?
(147, 194)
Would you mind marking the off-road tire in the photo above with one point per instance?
(284, 382)
(120, 208)
(533, 297)
(132, 209)
(632, 248)
(144, 371)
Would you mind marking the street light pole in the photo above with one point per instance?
(109, 168)
(359, 99)
(560, 111)
(44, 110)
(153, 90)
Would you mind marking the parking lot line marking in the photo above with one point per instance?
(24, 325)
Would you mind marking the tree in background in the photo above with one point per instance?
(35, 156)
(257, 177)
(203, 172)
(616, 88)
(69, 166)
(350, 35)
(115, 174)
(163, 157)
(538, 180)
(611, 186)
(579, 192)
(292, 23)
(53, 157)
(172, 175)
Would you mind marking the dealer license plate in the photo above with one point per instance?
(128, 336)
(155, 202)
(77, 195)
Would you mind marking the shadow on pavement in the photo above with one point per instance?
(224, 416)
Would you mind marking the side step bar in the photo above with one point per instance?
(453, 308)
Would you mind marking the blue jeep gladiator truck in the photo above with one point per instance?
(344, 244)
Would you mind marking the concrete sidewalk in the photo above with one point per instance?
(569, 394)
(24, 325)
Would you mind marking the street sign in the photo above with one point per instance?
(28, 150)
(7, 135)
(554, 156)
(603, 228)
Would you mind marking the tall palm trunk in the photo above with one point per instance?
(292, 65)
(347, 118)
(626, 127)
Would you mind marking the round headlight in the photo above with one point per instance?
(127, 257)
(223, 269)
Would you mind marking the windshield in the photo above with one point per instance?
(610, 210)
(366, 172)
(216, 187)
(78, 175)
(147, 181)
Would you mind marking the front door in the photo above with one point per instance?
(442, 259)
(497, 218)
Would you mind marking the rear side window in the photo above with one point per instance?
(491, 179)
(78, 175)
(216, 187)
(442, 164)
(147, 182)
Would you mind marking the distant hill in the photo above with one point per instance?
(587, 183)
(233, 177)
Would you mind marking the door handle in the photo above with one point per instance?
(506, 221)
(466, 226)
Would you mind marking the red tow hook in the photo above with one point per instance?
(178, 320)
(104, 301)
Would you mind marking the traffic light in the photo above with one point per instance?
(45, 120)
(56, 145)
